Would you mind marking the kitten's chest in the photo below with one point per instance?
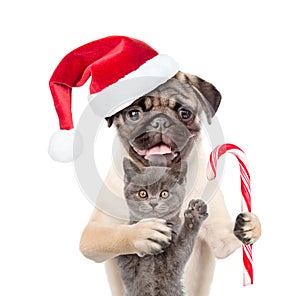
(134, 266)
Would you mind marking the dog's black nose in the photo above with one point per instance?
(160, 123)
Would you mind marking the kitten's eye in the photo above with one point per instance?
(185, 114)
(143, 194)
(164, 194)
(134, 114)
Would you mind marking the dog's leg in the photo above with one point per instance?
(217, 230)
(199, 270)
(114, 278)
(222, 235)
(106, 237)
(215, 240)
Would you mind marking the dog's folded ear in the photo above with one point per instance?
(110, 120)
(208, 95)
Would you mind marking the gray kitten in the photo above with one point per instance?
(158, 192)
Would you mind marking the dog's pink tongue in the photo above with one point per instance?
(159, 150)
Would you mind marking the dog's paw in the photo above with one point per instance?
(225, 245)
(247, 228)
(151, 236)
(195, 214)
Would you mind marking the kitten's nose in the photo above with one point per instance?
(153, 203)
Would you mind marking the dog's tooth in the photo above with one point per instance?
(174, 155)
(139, 151)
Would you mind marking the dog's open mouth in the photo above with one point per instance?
(159, 149)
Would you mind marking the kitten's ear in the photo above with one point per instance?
(180, 171)
(130, 169)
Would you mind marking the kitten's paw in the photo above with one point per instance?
(195, 214)
(151, 236)
(247, 228)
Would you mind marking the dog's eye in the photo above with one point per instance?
(185, 114)
(134, 115)
(143, 194)
(164, 194)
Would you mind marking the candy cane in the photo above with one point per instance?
(246, 200)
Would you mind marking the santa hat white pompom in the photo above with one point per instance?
(63, 147)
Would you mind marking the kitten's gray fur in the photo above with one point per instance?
(160, 274)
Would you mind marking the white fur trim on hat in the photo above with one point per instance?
(61, 146)
(161, 65)
(146, 78)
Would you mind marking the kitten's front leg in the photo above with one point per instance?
(193, 218)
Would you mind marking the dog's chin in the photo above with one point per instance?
(159, 155)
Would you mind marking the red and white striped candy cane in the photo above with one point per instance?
(246, 192)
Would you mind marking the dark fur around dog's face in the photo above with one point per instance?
(160, 127)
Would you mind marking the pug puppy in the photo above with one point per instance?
(162, 128)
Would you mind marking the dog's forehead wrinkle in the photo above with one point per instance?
(170, 87)
(169, 101)
(186, 99)
(148, 103)
(170, 93)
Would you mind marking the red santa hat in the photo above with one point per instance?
(109, 62)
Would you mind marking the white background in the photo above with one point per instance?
(249, 50)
